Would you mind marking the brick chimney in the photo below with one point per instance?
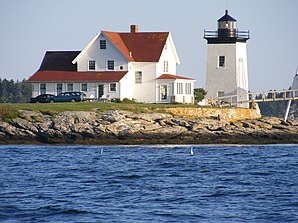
(134, 28)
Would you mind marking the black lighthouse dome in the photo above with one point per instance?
(227, 31)
(227, 26)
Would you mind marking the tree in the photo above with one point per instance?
(199, 94)
(14, 92)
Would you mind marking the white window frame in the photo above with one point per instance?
(164, 92)
(108, 65)
(187, 88)
(69, 86)
(59, 91)
(84, 84)
(138, 77)
(220, 94)
(112, 88)
(179, 88)
(43, 90)
(165, 66)
(91, 61)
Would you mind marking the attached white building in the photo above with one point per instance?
(134, 65)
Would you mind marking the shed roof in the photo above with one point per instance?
(59, 60)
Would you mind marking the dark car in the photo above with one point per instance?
(43, 98)
(74, 96)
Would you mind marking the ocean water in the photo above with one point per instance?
(256, 183)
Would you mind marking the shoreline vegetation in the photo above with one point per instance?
(132, 124)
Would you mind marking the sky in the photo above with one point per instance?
(29, 28)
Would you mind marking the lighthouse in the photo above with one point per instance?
(226, 71)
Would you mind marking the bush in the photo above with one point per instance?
(128, 101)
(8, 113)
(116, 100)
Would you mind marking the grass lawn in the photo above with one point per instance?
(12, 110)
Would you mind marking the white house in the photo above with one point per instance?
(134, 65)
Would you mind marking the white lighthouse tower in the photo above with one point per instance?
(226, 71)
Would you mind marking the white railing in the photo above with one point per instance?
(259, 96)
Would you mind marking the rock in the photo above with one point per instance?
(112, 116)
(127, 127)
(85, 128)
(151, 127)
(261, 124)
(151, 117)
(181, 122)
(271, 120)
(197, 126)
(8, 129)
(247, 124)
(279, 127)
(213, 124)
(293, 122)
(24, 124)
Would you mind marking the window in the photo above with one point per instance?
(138, 77)
(43, 88)
(59, 88)
(84, 87)
(179, 88)
(112, 87)
(110, 65)
(187, 88)
(221, 61)
(164, 92)
(220, 93)
(166, 66)
(102, 44)
(91, 65)
(70, 87)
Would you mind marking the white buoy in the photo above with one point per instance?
(191, 151)
(101, 151)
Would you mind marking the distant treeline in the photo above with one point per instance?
(14, 92)
(278, 109)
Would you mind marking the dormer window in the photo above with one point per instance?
(91, 65)
(102, 44)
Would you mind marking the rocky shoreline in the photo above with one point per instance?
(124, 127)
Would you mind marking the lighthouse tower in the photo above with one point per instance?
(226, 71)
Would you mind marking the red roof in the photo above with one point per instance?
(139, 46)
(171, 76)
(72, 76)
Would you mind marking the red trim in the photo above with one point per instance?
(54, 76)
(175, 77)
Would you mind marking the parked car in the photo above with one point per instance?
(43, 98)
(74, 96)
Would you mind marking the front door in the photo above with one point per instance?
(59, 88)
(164, 92)
(100, 91)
